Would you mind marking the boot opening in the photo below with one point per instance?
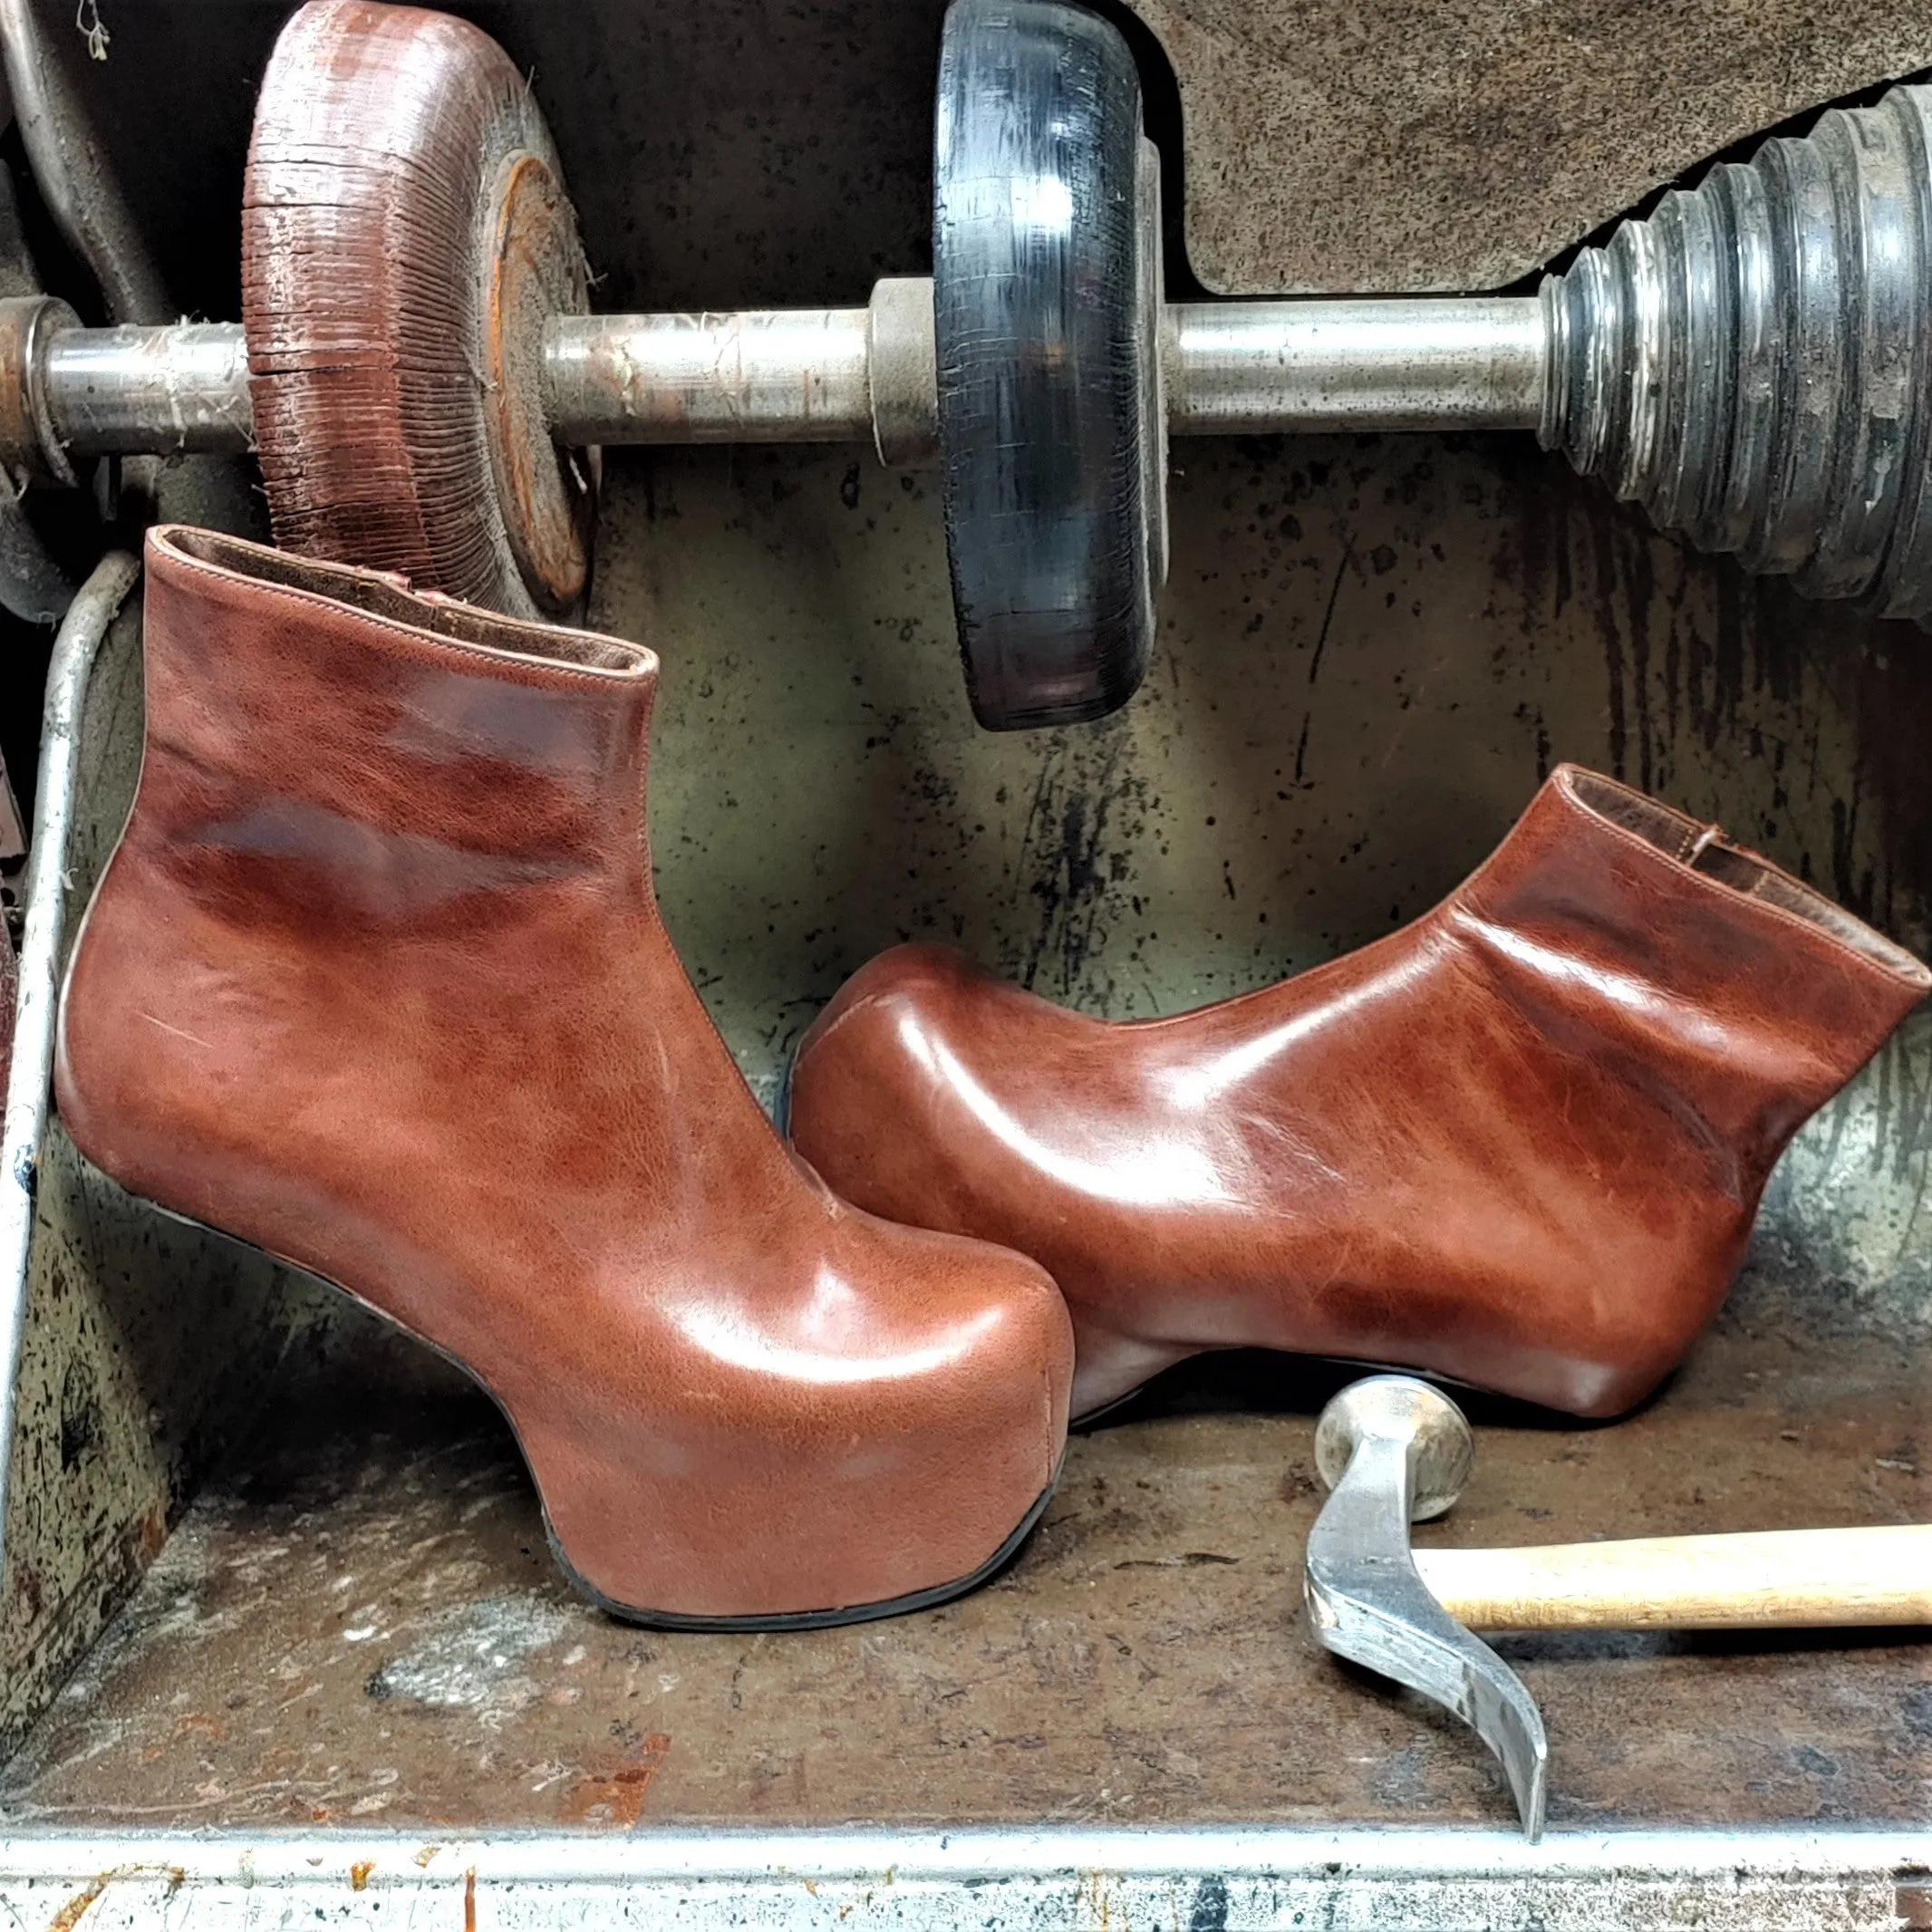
(1705, 848)
(381, 597)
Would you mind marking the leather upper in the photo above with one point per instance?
(375, 980)
(1519, 1142)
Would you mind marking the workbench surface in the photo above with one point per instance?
(359, 1622)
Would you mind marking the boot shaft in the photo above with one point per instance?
(1638, 938)
(320, 738)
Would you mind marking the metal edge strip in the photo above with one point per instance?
(75, 648)
(273, 1857)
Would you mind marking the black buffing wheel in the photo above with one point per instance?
(1046, 291)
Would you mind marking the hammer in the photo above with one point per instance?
(1394, 1450)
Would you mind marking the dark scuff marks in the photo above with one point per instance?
(1083, 827)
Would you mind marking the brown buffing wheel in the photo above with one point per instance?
(404, 235)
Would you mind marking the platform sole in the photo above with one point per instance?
(820, 1620)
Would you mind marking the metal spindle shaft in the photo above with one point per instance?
(763, 375)
(1753, 362)
(149, 391)
(814, 375)
(1245, 368)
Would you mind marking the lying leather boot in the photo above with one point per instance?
(1520, 1143)
(375, 980)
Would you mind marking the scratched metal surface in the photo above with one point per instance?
(1370, 652)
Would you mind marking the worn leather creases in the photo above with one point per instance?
(1521, 1141)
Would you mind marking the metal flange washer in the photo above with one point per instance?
(1753, 362)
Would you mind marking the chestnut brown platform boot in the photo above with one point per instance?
(375, 980)
(1520, 1143)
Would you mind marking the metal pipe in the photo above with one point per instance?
(763, 375)
(72, 171)
(147, 391)
(801, 1879)
(1247, 368)
(75, 648)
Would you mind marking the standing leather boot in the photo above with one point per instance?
(376, 981)
(1520, 1143)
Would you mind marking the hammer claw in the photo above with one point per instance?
(1395, 1449)
(1506, 1719)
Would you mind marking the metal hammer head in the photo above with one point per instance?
(1394, 1450)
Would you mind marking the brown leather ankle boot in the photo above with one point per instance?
(375, 980)
(1520, 1143)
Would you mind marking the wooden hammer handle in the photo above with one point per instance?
(1775, 1580)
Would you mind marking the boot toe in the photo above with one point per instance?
(874, 1444)
(870, 1081)
(970, 1468)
